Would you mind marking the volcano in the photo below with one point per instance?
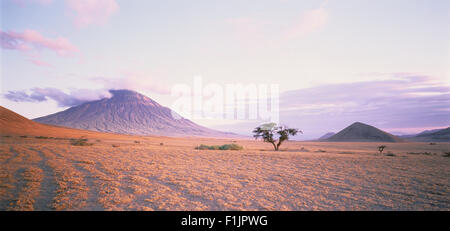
(128, 112)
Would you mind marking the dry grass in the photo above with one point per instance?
(51, 174)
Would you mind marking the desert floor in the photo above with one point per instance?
(52, 174)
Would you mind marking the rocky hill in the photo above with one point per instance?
(360, 132)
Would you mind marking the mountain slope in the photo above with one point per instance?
(359, 132)
(127, 112)
(437, 135)
(12, 123)
(326, 136)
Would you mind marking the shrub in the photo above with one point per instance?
(390, 154)
(161, 144)
(421, 153)
(230, 147)
(206, 147)
(115, 145)
(23, 136)
(137, 142)
(80, 142)
(381, 148)
(446, 154)
(41, 137)
(217, 147)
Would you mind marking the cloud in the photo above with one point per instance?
(39, 62)
(74, 98)
(24, 2)
(30, 40)
(92, 12)
(407, 101)
(252, 30)
(247, 29)
(134, 81)
(309, 22)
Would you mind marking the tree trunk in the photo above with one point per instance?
(275, 146)
(278, 145)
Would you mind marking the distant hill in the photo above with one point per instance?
(437, 135)
(429, 131)
(326, 136)
(128, 112)
(360, 132)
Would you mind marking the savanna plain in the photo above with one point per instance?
(112, 172)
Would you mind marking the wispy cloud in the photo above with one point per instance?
(40, 62)
(404, 102)
(131, 80)
(308, 23)
(74, 98)
(134, 81)
(31, 40)
(24, 2)
(251, 30)
(92, 12)
(248, 29)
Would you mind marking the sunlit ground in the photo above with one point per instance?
(50, 174)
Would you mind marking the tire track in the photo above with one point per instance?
(88, 178)
(44, 202)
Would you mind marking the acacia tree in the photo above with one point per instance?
(276, 135)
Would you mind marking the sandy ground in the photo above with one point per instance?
(50, 174)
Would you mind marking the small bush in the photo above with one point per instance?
(346, 152)
(217, 147)
(421, 153)
(432, 143)
(320, 150)
(80, 142)
(161, 144)
(6, 136)
(115, 145)
(446, 154)
(390, 154)
(86, 162)
(207, 147)
(137, 142)
(41, 137)
(23, 136)
(230, 147)
(381, 148)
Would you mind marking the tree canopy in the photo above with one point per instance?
(274, 134)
